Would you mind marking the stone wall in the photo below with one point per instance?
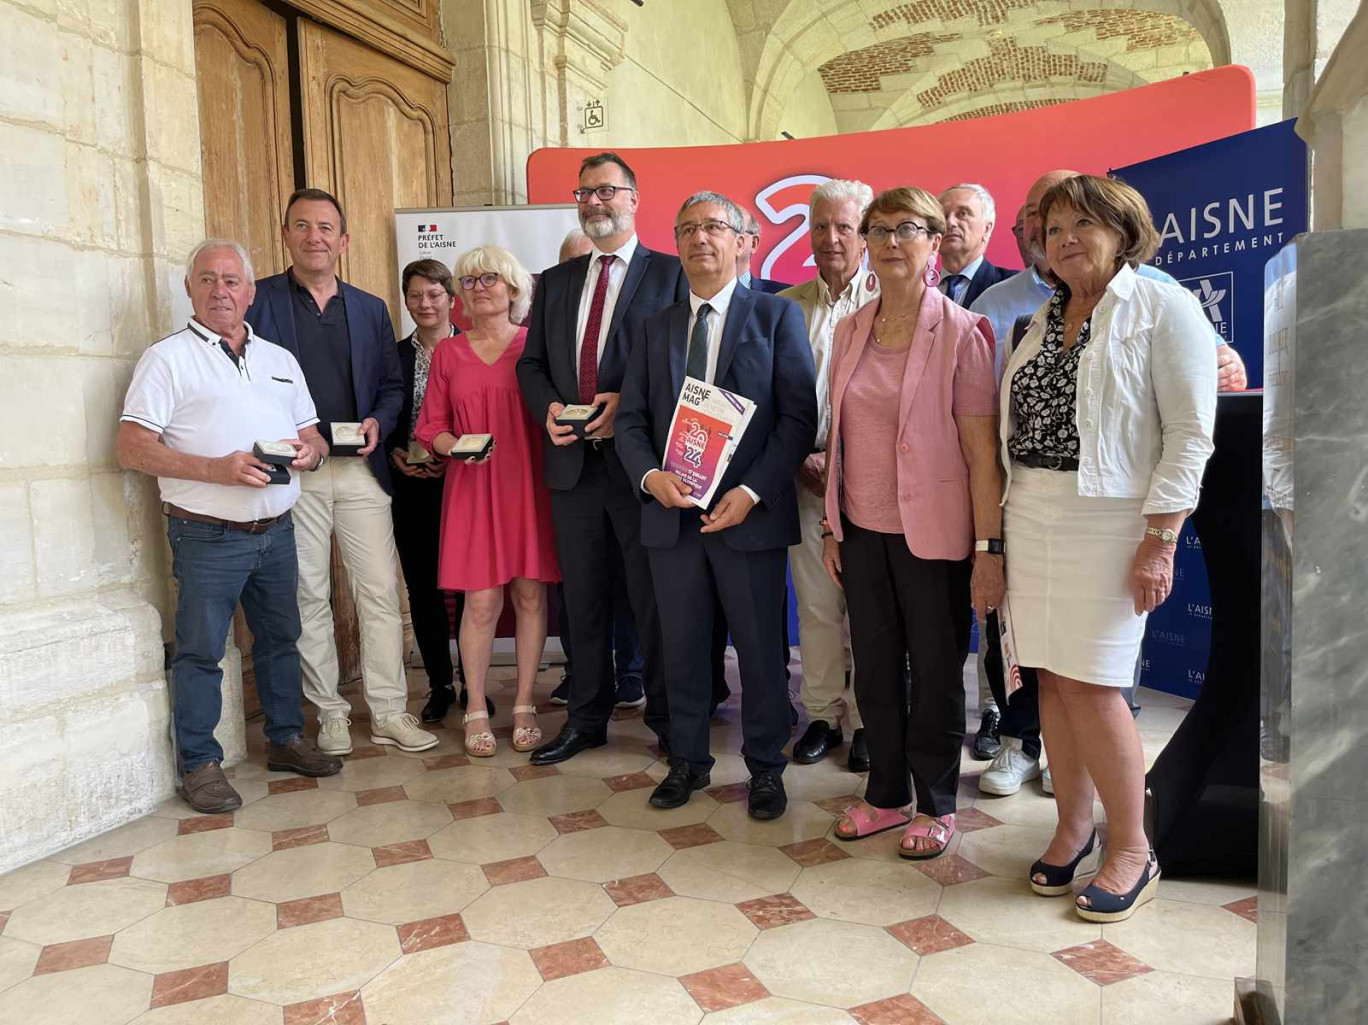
(100, 178)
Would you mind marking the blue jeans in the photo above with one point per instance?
(215, 567)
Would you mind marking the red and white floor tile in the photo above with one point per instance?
(442, 890)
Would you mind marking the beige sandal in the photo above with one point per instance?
(482, 744)
(525, 738)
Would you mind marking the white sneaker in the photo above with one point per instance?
(1047, 781)
(402, 730)
(334, 737)
(1010, 768)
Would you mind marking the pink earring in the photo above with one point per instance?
(932, 276)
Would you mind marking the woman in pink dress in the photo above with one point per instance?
(496, 513)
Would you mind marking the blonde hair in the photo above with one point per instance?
(907, 200)
(497, 260)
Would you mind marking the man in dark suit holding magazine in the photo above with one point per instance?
(755, 345)
(576, 354)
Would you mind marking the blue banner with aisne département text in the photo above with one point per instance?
(1222, 210)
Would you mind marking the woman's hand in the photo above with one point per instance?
(987, 585)
(399, 460)
(831, 559)
(1152, 574)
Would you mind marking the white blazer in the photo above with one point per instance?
(1146, 395)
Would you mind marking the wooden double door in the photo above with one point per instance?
(287, 101)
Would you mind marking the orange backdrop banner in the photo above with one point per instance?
(1005, 154)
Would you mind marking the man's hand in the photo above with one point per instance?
(986, 585)
(1230, 370)
(831, 559)
(812, 473)
(731, 509)
(370, 427)
(561, 436)
(399, 460)
(602, 425)
(306, 456)
(238, 469)
(668, 490)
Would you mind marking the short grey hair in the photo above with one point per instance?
(985, 198)
(752, 225)
(736, 217)
(219, 243)
(841, 190)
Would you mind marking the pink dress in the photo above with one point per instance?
(496, 516)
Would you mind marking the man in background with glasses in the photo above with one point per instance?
(734, 553)
(576, 354)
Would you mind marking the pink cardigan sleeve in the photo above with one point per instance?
(975, 389)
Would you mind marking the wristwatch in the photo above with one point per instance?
(992, 545)
(1169, 537)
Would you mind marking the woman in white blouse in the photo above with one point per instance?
(1107, 407)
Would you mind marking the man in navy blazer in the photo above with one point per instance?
(576, 354)
(755, 345)
(969, 217)
(750, 242)
(344, 342)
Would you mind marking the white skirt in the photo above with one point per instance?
(1069, 562)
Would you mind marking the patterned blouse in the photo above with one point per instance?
(1045, 390)
(422, 363)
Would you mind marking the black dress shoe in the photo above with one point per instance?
(465, 699)
(439, 700)
(859, 752)
(675, 789)
(819, 738)
(987, 743)
(767, 798)
(569, 742)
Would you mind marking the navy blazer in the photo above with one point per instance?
(984, 278)
(765, 356)
(547, 369)
(767, 285)
(376, 377)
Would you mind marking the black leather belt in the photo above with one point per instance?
(249, 526)
(1041, 462)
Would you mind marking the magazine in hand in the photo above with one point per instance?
(706, 429)
(1011, 668)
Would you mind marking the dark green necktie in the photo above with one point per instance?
(697, 364)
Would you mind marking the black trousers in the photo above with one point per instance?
(904, 607)
(1020, 715)
(600, 512)
(417, 514)
(698, 570)
(721, 691)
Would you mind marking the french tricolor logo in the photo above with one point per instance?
(426, 227)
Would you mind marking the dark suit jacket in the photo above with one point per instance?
(408, 363)
(548, 371)
(376, 377)
(984, 278)
(765, 356)
(767, 285)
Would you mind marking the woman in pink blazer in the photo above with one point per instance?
(912, 485)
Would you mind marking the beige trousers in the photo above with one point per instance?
(824, 634)
(345, 498)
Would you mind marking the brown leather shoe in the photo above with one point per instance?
(208, 791)
(300, 754)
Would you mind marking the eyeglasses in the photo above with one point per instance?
(604, 192)
(905, 232)
(488, 279)
(713, 229)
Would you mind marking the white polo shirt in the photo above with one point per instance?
(188, 389)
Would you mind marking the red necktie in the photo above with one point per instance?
(588, 366)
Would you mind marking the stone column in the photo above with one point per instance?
(100, 170)
(583, 42)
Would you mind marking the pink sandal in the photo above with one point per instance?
(937, 830)
(857, 822)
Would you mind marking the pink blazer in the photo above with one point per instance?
(949, 373)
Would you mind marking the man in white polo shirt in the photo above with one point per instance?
(200, 399)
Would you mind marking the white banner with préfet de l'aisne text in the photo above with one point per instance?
(533, 234)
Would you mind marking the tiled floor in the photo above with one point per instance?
(438, 890)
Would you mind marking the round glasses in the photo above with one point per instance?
(488, 279)
(904, 232)
(604, 192)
